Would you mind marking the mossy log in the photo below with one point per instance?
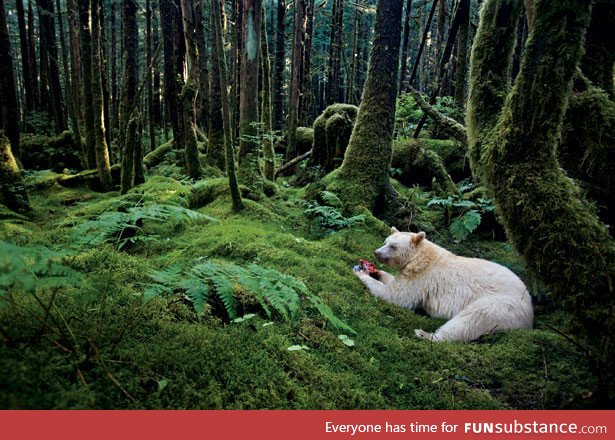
(332, 130)
(50, 152)
(90, 178)
(156, 156)
(13, 192)
(420, 164)
(305, 140)
(513, 140)
(448, 125)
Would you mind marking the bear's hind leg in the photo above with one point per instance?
(461, 328)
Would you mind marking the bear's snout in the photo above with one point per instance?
(380, 255)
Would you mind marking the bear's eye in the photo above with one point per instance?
(393, 246)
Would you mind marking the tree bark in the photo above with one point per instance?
(230, 155)
(8, 94)
(404, 47)
(363, 179)
(103, 164)
(461, 72)
(249, 172)
(86, 82)
(514, 136)
(128, 136)
(280, 65)
(29, 81)
(295, 82)
(268, 153)
(215, 150)
(13, 192)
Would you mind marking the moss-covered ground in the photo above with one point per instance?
(98, 345)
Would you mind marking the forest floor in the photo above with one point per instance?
(89, 339)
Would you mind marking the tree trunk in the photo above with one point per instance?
(190, 92)
(171, 91)
(363, 179)
(268, 153)
(335, 53)
(8, 94)
(13, 192)
(514, 136)
(32, 53)
(127, 137)
(404, 47)
(280, 65)
(226, 118)
(103, 164)
(599, 59)
(419, 54)
(86, 82)
(151, 123)
(48, 37)
(461, 71)
(202, 113)
(215, 150)
(29, 81)
(295, 82)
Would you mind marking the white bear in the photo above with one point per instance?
(476, 296)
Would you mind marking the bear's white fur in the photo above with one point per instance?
(477, 296)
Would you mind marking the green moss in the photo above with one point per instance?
(44, 152)
(331, 134)
(421, 164)
(165, 356)
(587, 148)
(305, 139)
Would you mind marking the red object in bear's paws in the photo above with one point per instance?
(370, 268)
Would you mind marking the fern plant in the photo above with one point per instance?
(463, 215)
(33, 267)
(277, 293)
(126, 226)
(327, 217)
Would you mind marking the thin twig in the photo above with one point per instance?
(109, 375)
(569, 339)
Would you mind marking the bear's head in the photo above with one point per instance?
(399, 248)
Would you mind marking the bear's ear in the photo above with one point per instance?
(394, 230)
(417, 238)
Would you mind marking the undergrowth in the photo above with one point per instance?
(76, 333)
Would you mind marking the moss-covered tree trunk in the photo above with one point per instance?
(128, 136)
(103, 164)
(461, 71)
(280, 66)
(266, 122)
(249, 172)
(13, 192)
(513, 139)
(171, 91)
(404, 47)
(363, 178)
(300, 24)
(190, 91)
(598, 62)
(226, 112)
(215, 133)
(86, 64)
(8, 95)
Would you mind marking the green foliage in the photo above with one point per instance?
(463, 215)
(276, 293)
(326, 217)
(127, 227)
(28, 268)
(408, 113)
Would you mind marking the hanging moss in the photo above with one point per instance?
(332, 130)
(420, 164)
(554, 229)
(587, 148)
(13, 192)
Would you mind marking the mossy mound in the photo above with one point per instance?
(164, 355)
(332, 130)
(39, 152)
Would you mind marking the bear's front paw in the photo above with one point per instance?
(420, 333)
